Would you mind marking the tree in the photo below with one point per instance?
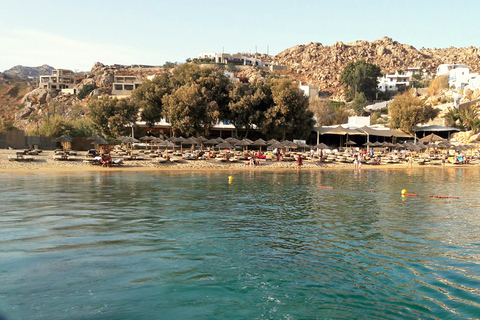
(359, 103)
(189, 110)
(407, 110)
(207, 88)
(360, 77)
(148, 98)
(322, 110)
(289, 111)
(469, 117)
(85, 91)
(451, 117)
(112, 116)
(247, 104)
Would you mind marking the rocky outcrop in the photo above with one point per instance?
(26, 72)
(322, 65)
(38, 95)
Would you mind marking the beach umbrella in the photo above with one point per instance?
(171, 138)
(65, 140)
(243, 143)
(211, 142)
(350, 143)
(277, 145)
(146, 139)
(259, 143)
(272, 141)
(377, 144)
(201, 140)
(321, 146)
(432, 138)
(179, 140)
(157, 141)
(96, 137)
(219, 140)
(121, 138)
(231, 140)
(130, 140)
(289, 144)
(224, 145)
(190, 141)
(368, 144)
(303, 145)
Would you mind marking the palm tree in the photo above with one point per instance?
(451, 116)
(468, 116)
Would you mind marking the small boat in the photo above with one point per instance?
(221, 159)
(162, 160)
(173, 159)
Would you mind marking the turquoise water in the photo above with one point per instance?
(271, 245)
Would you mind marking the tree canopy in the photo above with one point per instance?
(360, 77)
(194, 98)
(148, 98)
(406, 111)
(112, 116)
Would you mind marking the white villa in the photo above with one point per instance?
(393, 82)
(309, 90)
(446, 68)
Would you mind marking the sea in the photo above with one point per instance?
(294, 244)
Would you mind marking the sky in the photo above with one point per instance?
(76, 34)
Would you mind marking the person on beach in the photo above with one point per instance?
(299, 161)
(443, 160)
(106, 159)
(355, 162)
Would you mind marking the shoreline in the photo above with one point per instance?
(44, 163)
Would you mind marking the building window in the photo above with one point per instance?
(129, 87)
(118, 87)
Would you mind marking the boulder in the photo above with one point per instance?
(38, 95)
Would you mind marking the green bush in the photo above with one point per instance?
(86, 91)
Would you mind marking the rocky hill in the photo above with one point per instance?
(26, 72)
(322, 65)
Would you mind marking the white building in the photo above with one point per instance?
(238, 59)
(394, 82)
(446, 68)
(309, 90)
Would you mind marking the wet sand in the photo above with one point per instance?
(44, 162)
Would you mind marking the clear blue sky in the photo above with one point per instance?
(76, 34)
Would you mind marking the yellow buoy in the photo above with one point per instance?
(404, 191)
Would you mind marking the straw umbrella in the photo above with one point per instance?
(272, 141)
(179, 140)
(224, 145)
(243, 143)
(65, 140)
(231, 140)
(259, 143)
(130, 140)
(321, 146)
(190, 141)
(201, 140)
(146, 139)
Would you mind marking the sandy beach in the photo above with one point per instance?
(44, 162)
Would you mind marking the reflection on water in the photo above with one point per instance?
(269, 245)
